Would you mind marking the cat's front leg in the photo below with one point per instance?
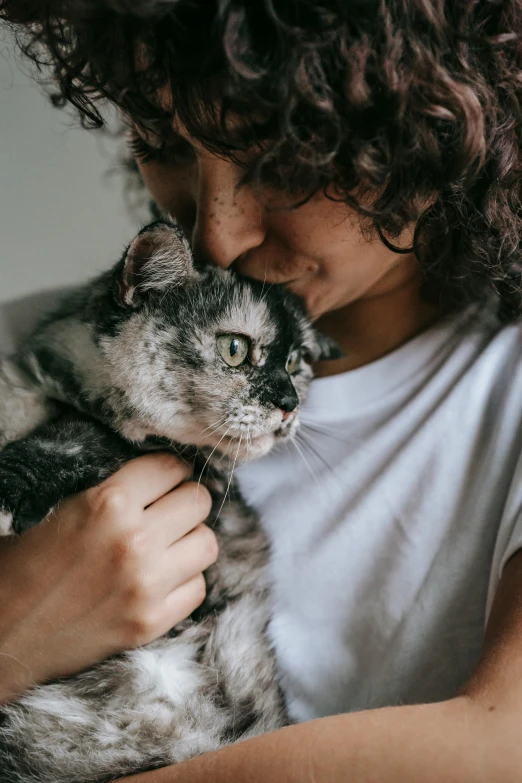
(58, 459)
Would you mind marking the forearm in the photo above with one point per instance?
(451, 741)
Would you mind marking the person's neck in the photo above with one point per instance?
(376, 324)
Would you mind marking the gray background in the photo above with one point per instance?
(62, 218)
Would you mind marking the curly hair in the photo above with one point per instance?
(408, 110)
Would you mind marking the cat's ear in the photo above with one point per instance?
(157, 258)
(325, 347)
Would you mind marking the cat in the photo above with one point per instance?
(159, 352)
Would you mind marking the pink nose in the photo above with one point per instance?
(285, 414)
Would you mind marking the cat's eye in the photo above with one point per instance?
(293, 361)
(233, 348)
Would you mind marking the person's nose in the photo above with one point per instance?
(229, 220)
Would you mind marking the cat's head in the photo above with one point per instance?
(203, 356)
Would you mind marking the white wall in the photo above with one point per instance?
(61, 218)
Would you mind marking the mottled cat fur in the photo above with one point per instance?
(127, 364)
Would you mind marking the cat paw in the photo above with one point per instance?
(6, 523)
(20, 507)
(21, 520)
(23, 501)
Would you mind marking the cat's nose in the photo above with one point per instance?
(286, 404)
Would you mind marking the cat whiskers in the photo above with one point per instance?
(301, 454)
(298, 438)
(327, 432)
(215, 431)
(209, 458)
(313, 451)
(230, 477)
(224, 452)
(216, 425)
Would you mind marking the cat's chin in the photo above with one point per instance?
(255, 448)
(239, 451)
(258, 447)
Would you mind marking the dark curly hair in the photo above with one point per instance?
(408, 110)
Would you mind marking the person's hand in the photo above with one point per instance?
(112, 568)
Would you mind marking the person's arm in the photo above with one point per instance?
(474, 738)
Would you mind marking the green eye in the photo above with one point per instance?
(293, 361)
(233, 348)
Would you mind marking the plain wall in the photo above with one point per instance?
(62, 218)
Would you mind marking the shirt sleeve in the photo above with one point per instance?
(509, 537)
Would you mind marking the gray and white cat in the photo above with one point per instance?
(156, 353)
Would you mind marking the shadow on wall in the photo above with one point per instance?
(18, 317)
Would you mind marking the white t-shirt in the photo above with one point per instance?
(392, 517)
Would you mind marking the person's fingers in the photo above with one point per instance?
(178, 512)
(145, 479)
(144, 626)
(182, 601)
(188, 557)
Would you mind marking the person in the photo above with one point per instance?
(367, 155)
